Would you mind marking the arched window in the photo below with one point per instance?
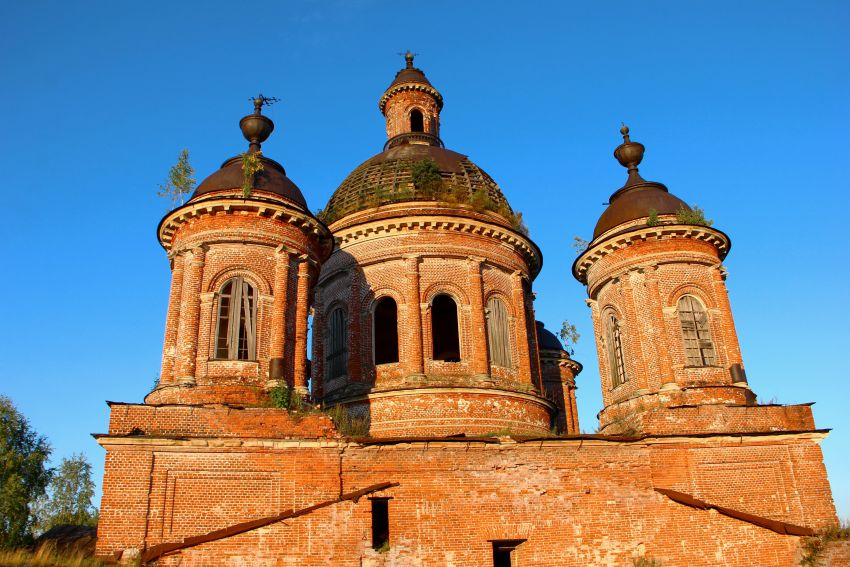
(614, 344)
(386, 331)
(498, 333)
(336, 346)
(236, 334)
(444, 332)
(417, 122)
(699, 349)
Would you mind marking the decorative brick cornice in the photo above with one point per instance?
(172, 222)
(603, 247)
(421, 87)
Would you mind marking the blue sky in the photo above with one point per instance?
(742, 107)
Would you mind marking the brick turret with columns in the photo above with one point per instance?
(428, 295)
(669, 357)
(255, 237)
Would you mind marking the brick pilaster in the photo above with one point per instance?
(278, 335)
(416, 358)
(302, 307)
(190, 309)
(522, 336)
(172, 320)
(480, 356)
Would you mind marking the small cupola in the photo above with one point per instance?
(411, 106)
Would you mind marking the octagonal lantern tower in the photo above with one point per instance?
(424, 321)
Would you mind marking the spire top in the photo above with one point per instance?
(630, 154)
(255, 127)
(408, 58)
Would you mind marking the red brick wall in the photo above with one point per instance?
(576, 502)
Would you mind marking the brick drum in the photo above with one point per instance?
(418, 276)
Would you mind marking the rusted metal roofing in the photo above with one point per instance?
(774, 525)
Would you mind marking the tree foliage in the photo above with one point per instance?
(569, 335)
(426, 177)
(251, 166)
(180, 182)
(69, 496)
(693, 216)
(23, 474)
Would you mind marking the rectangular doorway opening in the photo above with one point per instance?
(380, 523)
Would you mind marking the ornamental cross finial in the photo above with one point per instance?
(261, 100)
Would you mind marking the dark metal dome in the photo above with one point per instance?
(272, 178)
(388, 177)
(638, 198)
(546, 339)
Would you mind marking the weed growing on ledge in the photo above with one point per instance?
(814, 547)
(694, 216)
(347, 424)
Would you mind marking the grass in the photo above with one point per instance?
(814, 547)
(348, 424)
(45, 557)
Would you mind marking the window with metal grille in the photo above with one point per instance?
(237, 321)
(386, 331)
(614, 345)
(699, 349)
(498, 333)
(336, 345)
(444, 332)
(417, 122)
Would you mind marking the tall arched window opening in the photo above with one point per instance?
(386, 331)
(336, 345)
(498, 333)
(417, 121)
(444, 332)
(699, 349)
(614, 344)
(236, 333)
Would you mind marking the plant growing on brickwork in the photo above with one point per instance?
(579, 244)
(285, 397)
(813, 547)
(47, 556)
(569, 336)
(23, 475)
(347, 424)
(426, 177)
(693, 216)
(653, 220)
(180, 182)
(251, 166)
(518, 224)
(384, 547)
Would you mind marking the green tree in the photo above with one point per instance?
(426, 177)
(23, 474)
(69, 496)
(569, 335)
(181, 180)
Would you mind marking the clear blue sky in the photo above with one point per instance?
(743, 108)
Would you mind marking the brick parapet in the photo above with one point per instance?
(195, 421)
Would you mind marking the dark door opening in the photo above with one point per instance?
(502, 550)
(444, 332)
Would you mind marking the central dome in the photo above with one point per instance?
(391, 176)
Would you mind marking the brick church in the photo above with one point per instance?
(433, 422)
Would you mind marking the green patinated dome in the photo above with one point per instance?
(389, 177)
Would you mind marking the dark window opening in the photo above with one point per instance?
(386, 331)
(502, 550)
(444, 332)
(237, 321)
(336, 345)
(380, 522)
(417, 122)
